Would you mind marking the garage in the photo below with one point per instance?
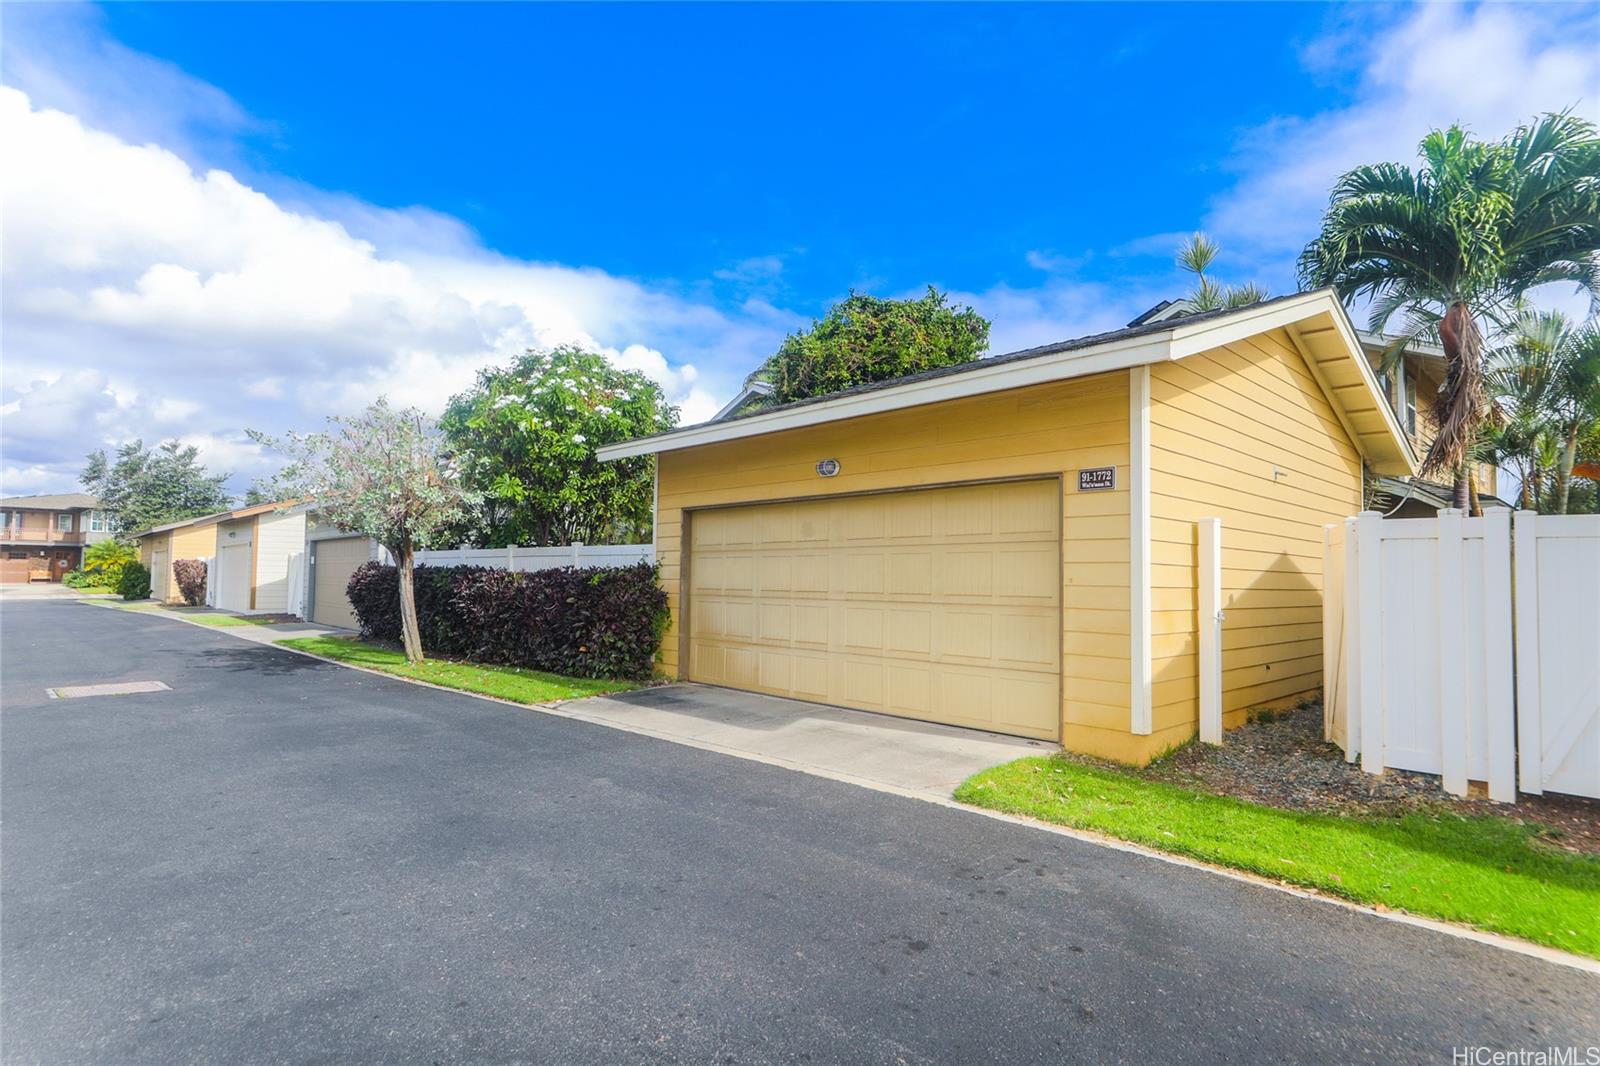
(902, 546)
(332, 563)
(942, 605)
(16, 568)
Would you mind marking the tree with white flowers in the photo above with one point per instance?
(387, 474)
(526, 434)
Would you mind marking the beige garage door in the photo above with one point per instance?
(160, 576)
(332, 563)
(941, 604)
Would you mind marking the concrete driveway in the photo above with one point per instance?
(917, 758)
(281, 860)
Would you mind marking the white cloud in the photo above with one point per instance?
(143, 297)
(1489, 67)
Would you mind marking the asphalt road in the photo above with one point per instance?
(285, 861)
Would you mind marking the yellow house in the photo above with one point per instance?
(1010, 544)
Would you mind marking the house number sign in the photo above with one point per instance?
(1097, 479)
(827, 467)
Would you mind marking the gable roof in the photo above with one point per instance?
(219, 516)
(62, 501)
(1315, 322)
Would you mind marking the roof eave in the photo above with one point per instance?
(1386, 448)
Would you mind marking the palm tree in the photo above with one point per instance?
(1545, 381)
(1462, 238)
(1575, 401)
(1521, 375)
(1196, 256)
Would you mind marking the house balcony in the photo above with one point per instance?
(40, 536)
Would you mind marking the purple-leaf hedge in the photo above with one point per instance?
(592, 622)
(191, 575)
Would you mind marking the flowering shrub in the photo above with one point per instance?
(191, 577)
(592, 622)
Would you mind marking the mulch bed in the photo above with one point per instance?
(1281, 760)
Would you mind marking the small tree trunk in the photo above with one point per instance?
(410, 635)
(1463, 488)
(1569, 458)
(1476, 509)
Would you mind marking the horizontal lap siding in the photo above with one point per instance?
(1044, 430)
(1219, 423)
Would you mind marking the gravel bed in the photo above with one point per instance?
(1281, 760)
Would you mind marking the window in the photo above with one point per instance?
(100, 522)
(16, 555)
(5, 519)
(1410, 404)
(64, 522)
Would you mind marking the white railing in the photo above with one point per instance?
(1436, 660)
(580, 555)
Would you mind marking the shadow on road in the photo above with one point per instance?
(274, 662)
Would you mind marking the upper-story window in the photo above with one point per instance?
(5, 519)
(100, 522)
(1410, 403)
(64, 522)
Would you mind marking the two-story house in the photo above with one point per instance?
(42, 537)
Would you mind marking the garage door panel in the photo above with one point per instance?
(940, 604)
(910, 632)
(910, 574)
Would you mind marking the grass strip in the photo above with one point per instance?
(228, 619)
(1483, 871)
(503, 682)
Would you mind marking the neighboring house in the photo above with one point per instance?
(272, 558)
(42, 537)
(1010, 544)
(1409, 387)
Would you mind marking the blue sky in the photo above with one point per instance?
(884, 146)
(245, 215)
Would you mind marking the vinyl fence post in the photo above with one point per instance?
(1369, 639)
(1349, 628)
(1499, 672)
(1530, 725)
(1210, 573)
(1454, 655)
(577, 553)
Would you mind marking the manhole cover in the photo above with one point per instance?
(121, 688)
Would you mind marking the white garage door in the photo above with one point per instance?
(941, 604)
(332, 563)
(233, 575)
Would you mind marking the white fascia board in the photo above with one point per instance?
(1196, 337)
(1082, 362)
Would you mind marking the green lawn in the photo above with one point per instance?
(504, 682)
(1486, 872)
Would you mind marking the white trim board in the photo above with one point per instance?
(1139, 630)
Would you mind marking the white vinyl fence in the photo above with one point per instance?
(542, 558)
(1457, 646)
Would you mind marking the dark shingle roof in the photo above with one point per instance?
(1127, 332)
(61, 501)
